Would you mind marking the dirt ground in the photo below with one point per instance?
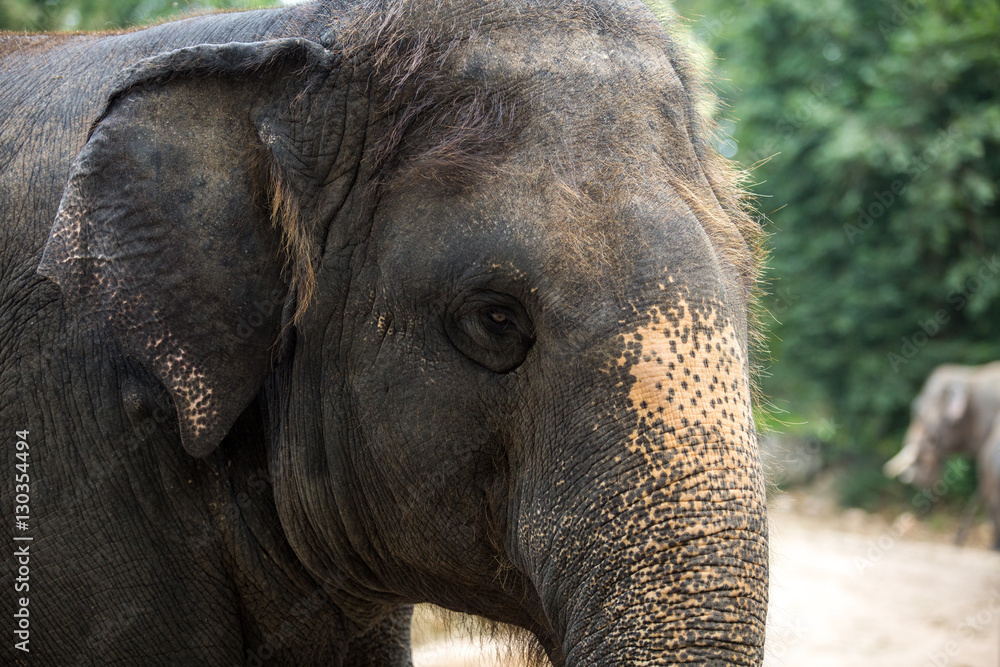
(862, 590)
(848, 589)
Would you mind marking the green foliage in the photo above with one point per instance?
(66, 15)
(961, 474)
(873, 130)
(867, 488)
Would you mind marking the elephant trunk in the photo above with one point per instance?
(903, 464)
(684, 582)
(652, 546)
(671, 572)
(917, 461)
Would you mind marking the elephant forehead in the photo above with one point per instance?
(579, 73)
(690, 389)
(567, 47)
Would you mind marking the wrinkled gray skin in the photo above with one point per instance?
(318, 312)
(957, 412)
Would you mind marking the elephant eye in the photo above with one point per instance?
(491, 329)
(499, 320)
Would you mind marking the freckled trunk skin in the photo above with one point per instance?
(688, 588)
(664, 560)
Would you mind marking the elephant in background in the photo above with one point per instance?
(956, 412)
(317, 312)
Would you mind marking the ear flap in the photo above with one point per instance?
(165, 231)
(956, 402)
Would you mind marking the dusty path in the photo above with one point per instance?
(875, 598)
(844, 593)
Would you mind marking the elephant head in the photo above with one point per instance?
(955, 413)
(492, 285)
(938, 427)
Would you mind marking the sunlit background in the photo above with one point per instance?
(871, 134)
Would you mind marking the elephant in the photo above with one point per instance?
(314, 313)
(957, 412)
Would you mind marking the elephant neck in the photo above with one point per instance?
(287, 617)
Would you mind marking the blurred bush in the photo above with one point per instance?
(872, 128)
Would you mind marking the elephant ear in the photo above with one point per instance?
(956, 403)
(167, 233)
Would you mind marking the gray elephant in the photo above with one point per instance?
(314, 313)
(957, 412)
